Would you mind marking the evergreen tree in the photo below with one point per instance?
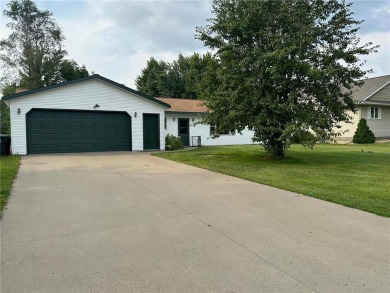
(363, 133)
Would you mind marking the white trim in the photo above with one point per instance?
(375, 103)
(369, 113)
(375, 92)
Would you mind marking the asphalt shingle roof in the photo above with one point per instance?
(184, 105)
(370, 86)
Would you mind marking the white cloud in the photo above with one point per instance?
(116, 38)
(380, 61)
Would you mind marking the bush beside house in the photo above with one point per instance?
(172, 142)
(363, 133)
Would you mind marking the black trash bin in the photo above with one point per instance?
(5, 141)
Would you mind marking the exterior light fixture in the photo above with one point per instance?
(18, 111)
(135, 114)
(193, 119)
(174, 118)
(96, 106)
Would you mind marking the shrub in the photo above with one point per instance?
(172, 142)
(363, 133)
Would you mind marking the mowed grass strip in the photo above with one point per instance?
(8, 170)
(356, 176)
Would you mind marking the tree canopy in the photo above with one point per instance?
(33, 54)
(286, 68)
(189, 77)
(70, 70)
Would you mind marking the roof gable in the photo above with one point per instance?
(369, 88)
(184, 105)
(91, 77)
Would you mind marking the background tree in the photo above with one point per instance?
(151, 77)
(282, 67)
(34, 49)
(189, 77)
(5, 123)
(33, 55)
(70, 70)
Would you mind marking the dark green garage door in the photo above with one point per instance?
(67, 131)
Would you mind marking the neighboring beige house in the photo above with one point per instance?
(373, 104)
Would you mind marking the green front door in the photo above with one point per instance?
(151, 131)
(69, 131)
(184, 131)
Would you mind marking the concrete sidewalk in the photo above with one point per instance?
(131, 222)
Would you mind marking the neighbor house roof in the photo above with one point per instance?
(94, 76)
(184, 105)
(370, 87)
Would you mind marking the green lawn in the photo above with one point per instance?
(8, 169)
(356, 176)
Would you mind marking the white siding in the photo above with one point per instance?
(83, 96)
(203, 131)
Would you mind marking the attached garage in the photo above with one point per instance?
(72, 131)
(92, 114)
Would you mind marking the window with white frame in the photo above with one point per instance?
(215, 132)
(374, 113)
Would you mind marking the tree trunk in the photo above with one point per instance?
(275, 147)
(280, 149)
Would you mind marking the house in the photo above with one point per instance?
(97, 114)
(183, 119)
(85, 115)
(373, 104)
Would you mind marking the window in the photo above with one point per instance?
(214, 131)
(165, 123)
(374, 112)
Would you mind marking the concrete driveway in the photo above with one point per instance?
(131, 222)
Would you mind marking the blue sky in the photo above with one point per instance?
(116, 38)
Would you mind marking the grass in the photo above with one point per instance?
(8, 169)
(356, 176)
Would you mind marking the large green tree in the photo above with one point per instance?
(151, 77)
(286, 67)
(32, 56)
(187, 77)
(70, 70)
(33, 51)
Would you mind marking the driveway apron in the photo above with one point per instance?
(131, 222)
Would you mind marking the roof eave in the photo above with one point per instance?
(46, 88)
(374, 103)
(94, 76)
(183, 112)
